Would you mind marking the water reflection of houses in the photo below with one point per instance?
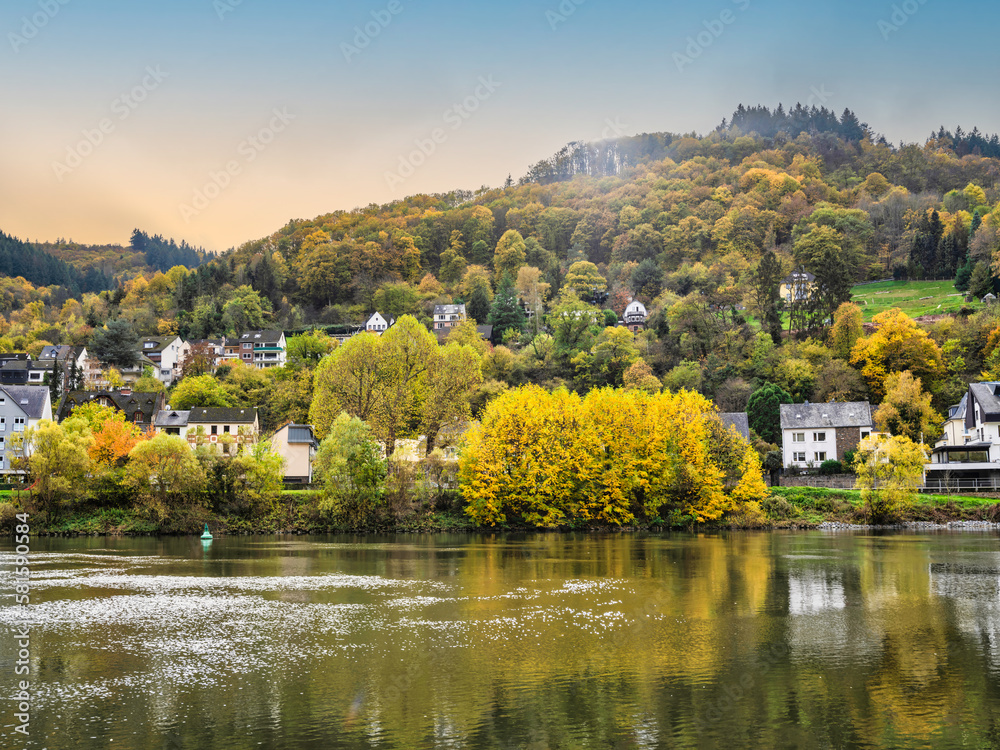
(974, 589)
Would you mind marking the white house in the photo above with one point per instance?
(968, 453)
(814, 433)
(168, 353)
(376, 324)
(635, 316)
(448, 316)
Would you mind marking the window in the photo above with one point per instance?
(225, 429)
(18, 424)
(865, 434)
(3, 442)
(820, 455)
(3, 424)
(798, 437)
(819, 437)
(799, 456)
(215, 429)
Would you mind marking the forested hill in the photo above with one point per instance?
(829, 131)
(42, 268)
(108, 266)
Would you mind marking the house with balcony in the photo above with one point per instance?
(967, 455)
(448, 316)
(814, 433)
(263, 349)
(22, 407)
(230, 430)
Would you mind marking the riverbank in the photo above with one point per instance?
(786, 508)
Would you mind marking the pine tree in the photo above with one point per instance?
(506, 313)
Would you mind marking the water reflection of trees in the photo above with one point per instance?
(746, 640)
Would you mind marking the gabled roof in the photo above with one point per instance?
(162, 342)
(635, 307)
(128, 402)
(262, 337)
(60, 353)
(449, 309)
(737, 419)
(987, 395)
(301, 433)
(173, 418)
(222, 415)
(850, 414)
(31, 398)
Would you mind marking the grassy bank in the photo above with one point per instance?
(788, 507)
(814, 505)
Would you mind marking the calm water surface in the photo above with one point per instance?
(550, 641)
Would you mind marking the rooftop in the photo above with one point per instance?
(849, 414)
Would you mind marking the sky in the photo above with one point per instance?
(218, 121)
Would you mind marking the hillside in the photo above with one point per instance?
(701, 229)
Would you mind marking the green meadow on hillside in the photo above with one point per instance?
(915, 298)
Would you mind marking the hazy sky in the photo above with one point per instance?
(217, 121)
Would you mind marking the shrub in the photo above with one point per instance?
(831, 467)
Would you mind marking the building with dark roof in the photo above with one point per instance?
(814, 433)
(139, 408)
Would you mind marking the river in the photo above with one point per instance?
(734, 640)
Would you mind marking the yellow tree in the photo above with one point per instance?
(889, 470)
(453, 377)
(533, 292)
(897, 344)
(583, 278)
(906, 409)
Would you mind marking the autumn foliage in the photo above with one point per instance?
(612, 457)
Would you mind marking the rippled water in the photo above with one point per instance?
(825, 640)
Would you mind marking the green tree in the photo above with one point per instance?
(164, 474)
(906, 410)
(246, 310)
(835, 263)
(453, 378)
(764, 413)
(57, 460)
(201, 390)
(847, 329)
(584, 278)
(353, 473)
(763, 296)
(506, 312)
(116, 345)
(307, 349)
(347, 380)
(479, 305)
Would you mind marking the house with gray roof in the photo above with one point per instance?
(738, 420)
(167, 353)
(814, 433)
(22, 407)
(172, 422)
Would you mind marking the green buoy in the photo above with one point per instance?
(206, 534)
